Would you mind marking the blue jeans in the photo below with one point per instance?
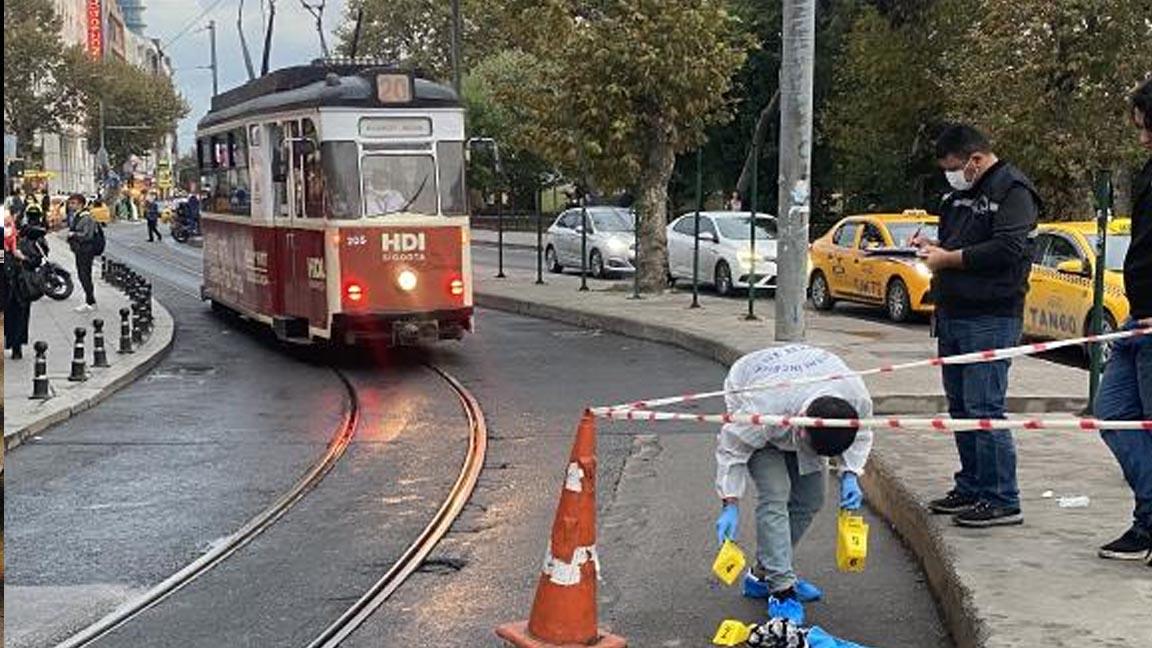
(1126, 394)
(987, 458)
(787, 502)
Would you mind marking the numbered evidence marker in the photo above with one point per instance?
(732, 633)
(851, 542)
(729, 563)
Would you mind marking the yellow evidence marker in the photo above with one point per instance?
(732, 633)
(729, 563)
(851, 542)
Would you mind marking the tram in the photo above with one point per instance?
(334, 205)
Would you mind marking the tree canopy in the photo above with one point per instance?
(34, 65)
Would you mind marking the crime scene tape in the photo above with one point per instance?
(935, 423)
(989, 355)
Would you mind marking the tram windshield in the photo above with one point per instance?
(399, 183)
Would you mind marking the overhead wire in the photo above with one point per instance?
(192, 23)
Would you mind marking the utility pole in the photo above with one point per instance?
(794, 205)
(212, 42)
(456, 46)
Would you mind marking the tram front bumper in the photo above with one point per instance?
(402, 329)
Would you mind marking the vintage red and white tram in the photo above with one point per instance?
(335, 205)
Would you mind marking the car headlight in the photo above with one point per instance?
(746, 258)
(923, 270)
(616, 246)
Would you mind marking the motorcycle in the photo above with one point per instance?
(57, 281)
(182, 228)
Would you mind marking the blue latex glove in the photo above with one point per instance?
(851, 497)
(728, 523)
(818, 638)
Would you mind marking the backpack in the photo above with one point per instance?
(98, 240)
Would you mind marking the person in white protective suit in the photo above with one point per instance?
(787, 464)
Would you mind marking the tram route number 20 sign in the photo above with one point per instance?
(393, 88)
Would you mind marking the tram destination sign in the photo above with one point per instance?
(394, 88)
(395, 127)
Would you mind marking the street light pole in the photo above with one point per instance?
(796, 77)
(212, 45)
(456, 46)
(696, 228)
(752, 232)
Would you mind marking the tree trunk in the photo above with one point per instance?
(1122, 182)
(651, 204)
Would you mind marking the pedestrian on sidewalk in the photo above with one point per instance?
(980, 270)
(152, 215)
(83, 241)
(787, 464)
(16, 205)
(1126, 388)
(734, 203)
(21, 258)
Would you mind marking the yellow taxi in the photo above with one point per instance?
(1059, 302)
(870, 259)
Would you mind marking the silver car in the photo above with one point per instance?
(611, 249)
(726, 255)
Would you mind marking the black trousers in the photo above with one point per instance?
(84, 270)
(152, 229)
(17, 314)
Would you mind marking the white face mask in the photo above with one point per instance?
(957, 180)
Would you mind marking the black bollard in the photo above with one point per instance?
(99, 353)
(79, 366)
(104, 268)
(137, 326)
(40, 388)
(125, 332)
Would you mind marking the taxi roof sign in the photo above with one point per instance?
(1120, 226)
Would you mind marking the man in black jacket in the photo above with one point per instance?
(980, 271)
(1126, 389)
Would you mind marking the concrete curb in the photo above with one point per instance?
(19, 437)
(494, 244)
(890, 498)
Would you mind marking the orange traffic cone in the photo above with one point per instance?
(564, 612)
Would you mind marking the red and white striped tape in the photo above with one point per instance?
(936, 423)
(965, 358)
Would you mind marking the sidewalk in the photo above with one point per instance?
(54, 322)
(1036, 585)
(519, 240)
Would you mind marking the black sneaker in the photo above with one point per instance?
(984, 515)
(952, 503)
(1133, 545)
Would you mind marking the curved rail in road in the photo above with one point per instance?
(254, 527)
(414, 556)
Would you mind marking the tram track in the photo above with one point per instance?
(409, 561)
(249, 531)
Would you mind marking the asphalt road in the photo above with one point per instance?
(126, 493)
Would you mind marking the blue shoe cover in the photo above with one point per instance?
(754, 587)
(819, 638)
(807, 592)
(788, 608)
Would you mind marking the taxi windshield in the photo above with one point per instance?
(1117, 249)
(903, 233)
(737, 228)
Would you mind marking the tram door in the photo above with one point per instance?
(303, 233)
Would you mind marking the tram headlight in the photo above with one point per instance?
(406, 280)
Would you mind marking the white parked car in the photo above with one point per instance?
(610, 241)
(726, 256)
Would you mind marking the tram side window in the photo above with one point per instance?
(341, 178)
(239, 195)
(311, 171)
(279, 150)
(220, 187)
(450, 156)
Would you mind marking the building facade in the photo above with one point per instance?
(112, 28)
